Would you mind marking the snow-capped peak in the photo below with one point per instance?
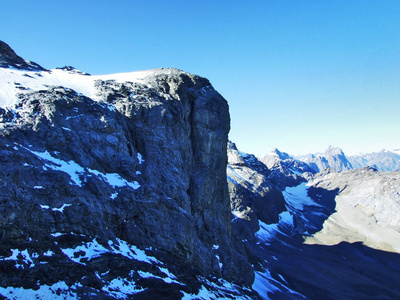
(15, 81)
(281, 155)
(334, 150)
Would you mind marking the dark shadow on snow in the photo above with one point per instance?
(342, 271)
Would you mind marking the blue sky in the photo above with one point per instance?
(298, 75)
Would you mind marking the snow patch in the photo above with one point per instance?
(57, 291)
(93, 249)
(221, 290)
(166, 279)
(48, 253)
(61, 209)
(132, 252)
(297, 197)
(269, 231)
(21, 256)
(265, 284)
(85, 252)
(74, 170)
(140, 158)
(15, 82)
(57, 234)
(120, 288)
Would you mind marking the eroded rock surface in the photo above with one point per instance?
(114, 183)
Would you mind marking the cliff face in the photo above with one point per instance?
(253, 196)
(98, 167)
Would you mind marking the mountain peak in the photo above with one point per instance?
(334, 150)
(281, 155)
(8, 58)
(72, 70)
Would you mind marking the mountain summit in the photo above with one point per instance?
(9, 59)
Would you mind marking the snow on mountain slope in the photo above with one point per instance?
(302, 256)
(15, 82)
(115, 186)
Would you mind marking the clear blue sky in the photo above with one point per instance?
(298, 75)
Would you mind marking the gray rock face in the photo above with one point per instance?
(253, 195)
(338, 223)
(8, 58)
(87, 183)
(317, 162)
(384, 160)
(332, 158)
(367, 206)
(285, 170)
(335, 158)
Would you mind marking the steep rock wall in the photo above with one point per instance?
(145, 164)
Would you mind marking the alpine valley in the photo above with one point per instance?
(125, 186)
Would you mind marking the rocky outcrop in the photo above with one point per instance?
(253, 196)
(129, 186)
(8, 58)
(337, 160)
(285, 170)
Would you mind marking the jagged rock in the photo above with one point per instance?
(90, 179)
(285, 170)
(384, 160)
(337, 159)
(72, 70)
(332, 158)
(253, 196)
(8, 58)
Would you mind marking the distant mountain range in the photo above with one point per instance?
(342, 220)
(334, 158)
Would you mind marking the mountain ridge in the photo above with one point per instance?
(9, 59)
(334, 157)
(126, 186)
(90, 206)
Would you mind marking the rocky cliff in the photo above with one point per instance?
(114, 185)
(253, 195)
(285, 170)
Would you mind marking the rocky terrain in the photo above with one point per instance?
(336, 238)
(285, 170)
(253, 195)
(125, 186)
(367, 207)
(114, 186)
